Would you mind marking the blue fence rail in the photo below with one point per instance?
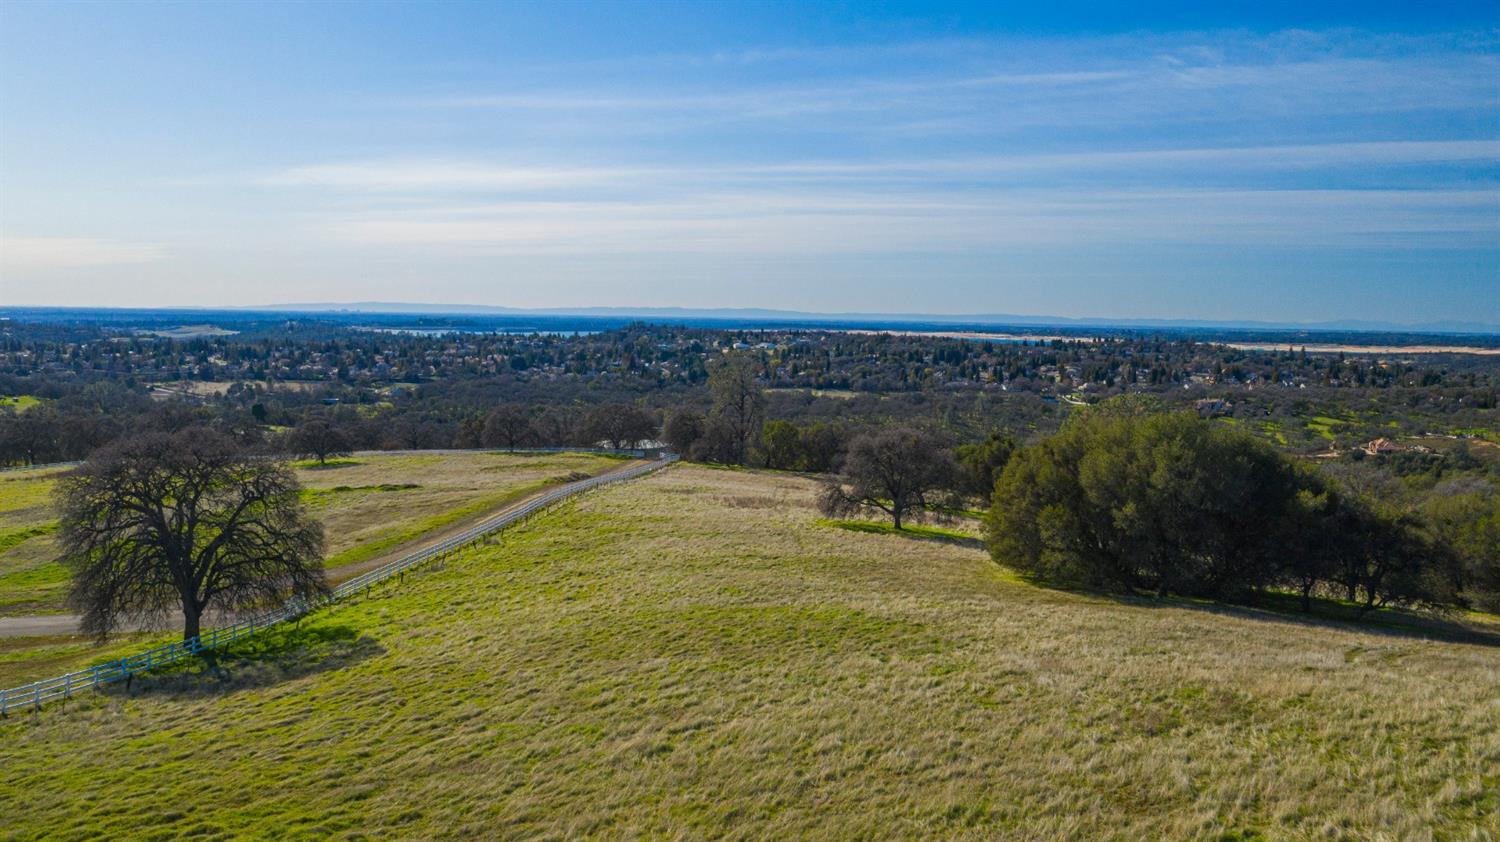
(64, 686)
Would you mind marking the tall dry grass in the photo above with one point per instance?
(693, 655)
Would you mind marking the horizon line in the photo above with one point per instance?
(812, 318)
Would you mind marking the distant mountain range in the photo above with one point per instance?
(752, 314)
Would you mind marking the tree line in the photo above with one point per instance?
(1124, 498)
(1130, 498)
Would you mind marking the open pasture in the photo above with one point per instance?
(695, 654)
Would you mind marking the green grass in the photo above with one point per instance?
(24, 492)
(957, 512)
(27, 659)
(385, 540)
(1272, 430)
(370, 507)
(33, 590)
(909, 530)
(694, 655)
(1482, 433)
(336, 462)
(316, 498)
(11, 538)
(30, 580)
(20, 403)
(1325, 426)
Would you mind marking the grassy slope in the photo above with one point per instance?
(693, 655)
(29, 577)
(27, 659)
(374, 503)
(369, 506)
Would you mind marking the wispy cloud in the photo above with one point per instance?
(1001, 86)
(1184, 195)
(475, 176)
(836, 223)
(19, 253)
(445, 175)
(938, 159)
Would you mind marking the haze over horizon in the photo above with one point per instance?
(1229, 164)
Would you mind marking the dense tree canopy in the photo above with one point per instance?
(1467, 521)
(781, 445)
(1172, 503)
(980, 463)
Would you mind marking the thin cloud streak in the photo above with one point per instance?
(835, 224)
(477, 176)
(446, 175)
(1002, 86)
(74, 252)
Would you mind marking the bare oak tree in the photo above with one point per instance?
(896, 470)
(739, 403)
(508, 425)
(186, 519)
(319, 438)
(621, 426)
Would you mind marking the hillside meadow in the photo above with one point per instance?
(371, 505)
(696, 654)
(30, 579)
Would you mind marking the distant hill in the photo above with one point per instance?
(742, 314)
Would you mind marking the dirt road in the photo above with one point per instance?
(39, 625)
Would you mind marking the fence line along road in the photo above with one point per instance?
(63, 686)
(39, 467)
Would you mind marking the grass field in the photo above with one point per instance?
(1325, 426)
(19, 403)
(695, 654)
(30, 578)
(370, 506)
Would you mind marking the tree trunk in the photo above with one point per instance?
(896, 516)
(191, 617)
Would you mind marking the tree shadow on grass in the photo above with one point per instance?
(280, 654)
(1325, 614)
(330, 465)
(910, 532)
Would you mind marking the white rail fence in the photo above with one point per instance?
(64, 686)
(42, 466)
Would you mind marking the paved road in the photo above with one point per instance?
(39, 625)
(48, 624)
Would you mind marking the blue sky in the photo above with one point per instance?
(1241, 161)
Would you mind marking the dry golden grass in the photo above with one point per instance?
(693, 655)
